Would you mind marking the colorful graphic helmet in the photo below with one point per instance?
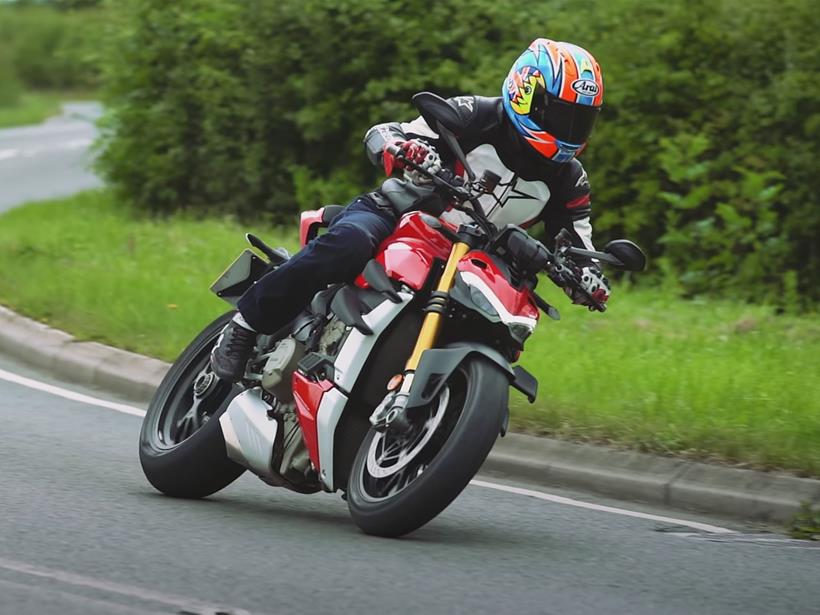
(552, 96)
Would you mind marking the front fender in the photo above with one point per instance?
(437, 364)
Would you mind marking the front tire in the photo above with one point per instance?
(182, 450)
(391, 505)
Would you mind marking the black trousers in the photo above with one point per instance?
(338, 255)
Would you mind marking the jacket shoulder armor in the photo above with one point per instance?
(577, 179)
(478, 113)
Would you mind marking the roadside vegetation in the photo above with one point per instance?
(705, 153)
(806, 523)
(706, 378)
(49, 54)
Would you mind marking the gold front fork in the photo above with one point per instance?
(432, 321)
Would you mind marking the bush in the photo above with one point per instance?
(9, 83)
(51, 49)
(245, 108)
(708, 141)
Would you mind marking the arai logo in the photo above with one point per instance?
(585, 87)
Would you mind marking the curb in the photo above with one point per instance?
(709, 488)
(746, 494)
(125, 373)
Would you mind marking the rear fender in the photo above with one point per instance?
(438, 364)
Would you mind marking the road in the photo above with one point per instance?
(83, 532)
(49, 160)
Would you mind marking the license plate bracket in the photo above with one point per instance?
(239, 277)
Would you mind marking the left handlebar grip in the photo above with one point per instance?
(393, 149)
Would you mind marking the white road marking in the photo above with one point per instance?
(547, 497)
(75, 144)
(66, 394)
(49, 129)
(132, 591)
(557, 499)
(103, 606)
(36, 150)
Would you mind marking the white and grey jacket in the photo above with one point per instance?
(531, 189)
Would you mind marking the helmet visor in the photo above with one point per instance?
(567, 122)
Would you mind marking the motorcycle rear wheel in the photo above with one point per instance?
(182, 450)
(393, 499)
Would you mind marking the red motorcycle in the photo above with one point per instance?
(392, 388)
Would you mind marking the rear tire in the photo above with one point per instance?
(459, 446)
(191, 464)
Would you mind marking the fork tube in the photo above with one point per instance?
(432, 321)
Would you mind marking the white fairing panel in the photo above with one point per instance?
(330, 411)
(347, 367)
(358, 346)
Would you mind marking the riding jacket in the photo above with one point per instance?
(531, 189)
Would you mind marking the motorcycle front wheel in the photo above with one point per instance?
(400, 482)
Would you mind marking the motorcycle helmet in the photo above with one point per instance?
(552, 96)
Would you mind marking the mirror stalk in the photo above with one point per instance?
(452, 143)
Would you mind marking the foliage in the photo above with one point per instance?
(708, 142)
(51, 49)
(806, 523)
(705, 378)
(10, 87)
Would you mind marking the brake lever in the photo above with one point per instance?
(564, 276)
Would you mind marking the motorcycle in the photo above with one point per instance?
(392, 388)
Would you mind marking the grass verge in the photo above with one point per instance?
(707, 379)
(36, 107)
(805, 525)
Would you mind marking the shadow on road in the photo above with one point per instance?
(331, 515)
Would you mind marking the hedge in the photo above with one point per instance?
(706, 151)
(45, 48)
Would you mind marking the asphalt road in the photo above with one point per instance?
(83, 532)
(49, 160)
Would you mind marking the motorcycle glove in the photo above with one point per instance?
(594, 283)
(415, 151)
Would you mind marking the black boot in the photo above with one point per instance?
(232, 351)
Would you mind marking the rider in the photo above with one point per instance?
(529, 136)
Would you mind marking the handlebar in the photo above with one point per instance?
(560, 266)
(458, 192)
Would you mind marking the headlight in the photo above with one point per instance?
(481, 302)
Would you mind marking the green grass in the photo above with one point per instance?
(35, 107)
(85, 266)
(707, 379)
